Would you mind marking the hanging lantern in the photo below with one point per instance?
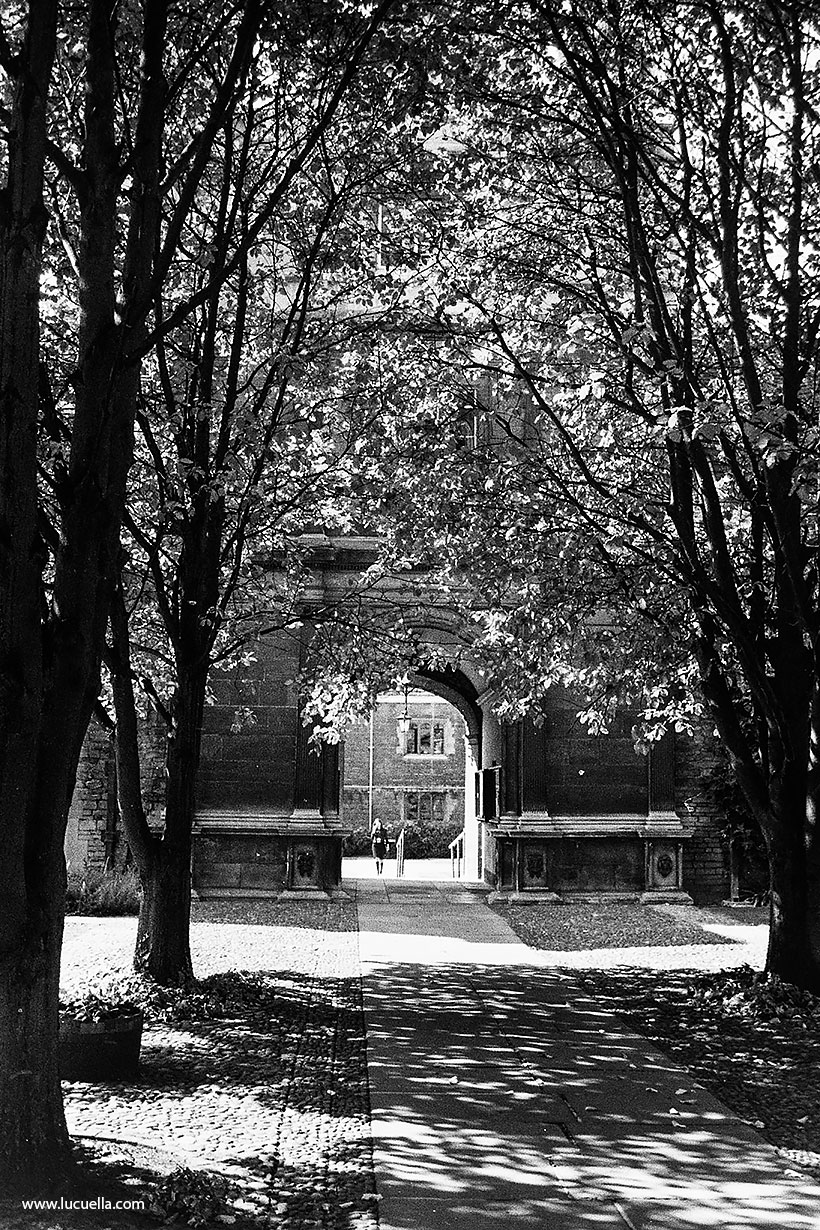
(403, 724)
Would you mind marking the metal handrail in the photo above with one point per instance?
(457, 856)
(400, 854)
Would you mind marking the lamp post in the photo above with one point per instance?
(403, 724)
(370, 779)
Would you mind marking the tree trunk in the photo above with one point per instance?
(126, 737)
(33, 1131)
(163, 933)
(734, 867)
(162, 949)
(33, 1137)
(794, 880)
(794, 933)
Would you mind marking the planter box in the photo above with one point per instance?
(100, 1050)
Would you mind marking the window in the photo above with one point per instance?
(423, 808)
(425, 738)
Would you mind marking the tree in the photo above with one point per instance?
(247, 430)
(31, 1115)
(138, 66)
(624, 319)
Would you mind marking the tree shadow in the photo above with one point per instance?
(272, 1097)
(507, 1093)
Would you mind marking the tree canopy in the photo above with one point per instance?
(604, 431)
(528, 291)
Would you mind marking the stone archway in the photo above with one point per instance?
(455, 686)
(561, 805)
(269, 816)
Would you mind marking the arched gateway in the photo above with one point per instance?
(555, 811)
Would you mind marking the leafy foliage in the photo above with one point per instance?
(216, 997)
(429, 840)
(249, 424)
(192, 1198)
(736, 824)
(759, 997)
(108, 893)
(602, 445)
(100, 1007)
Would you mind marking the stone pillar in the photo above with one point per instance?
(331, 779)
(473, 826)
(307, 794)
(316, 787)
(662, 777)
(664, 830)
(664, 866)
(511, 734)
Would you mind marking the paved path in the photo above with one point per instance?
(427, 869)
(502, 1096)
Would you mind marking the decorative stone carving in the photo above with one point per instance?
(664, 868)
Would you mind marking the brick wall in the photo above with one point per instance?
(94, 804)
(251, 765)
(249, 734)
(397, 774)
(247, 764)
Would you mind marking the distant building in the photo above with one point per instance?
(406, 769)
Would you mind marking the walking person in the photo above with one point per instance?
(378, 844)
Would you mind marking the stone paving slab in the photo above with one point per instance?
(609, 1132)
(547, 1212)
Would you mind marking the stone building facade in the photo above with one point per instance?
(95, 840)
(548, 810)
(706, 867)
(269, 806)
(588, 834)
(587, 814)
(93, 837)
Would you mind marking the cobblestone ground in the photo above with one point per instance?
(275, 1101)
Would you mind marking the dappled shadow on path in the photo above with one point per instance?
(274, 1098)
(766, 1068)
(504, 1093)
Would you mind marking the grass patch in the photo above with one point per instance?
(106, 893)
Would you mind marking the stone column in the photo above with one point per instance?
(316, 789)
(331, 778)
(664, 830)
(307, 794)
(511, 734)
(662, 777)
